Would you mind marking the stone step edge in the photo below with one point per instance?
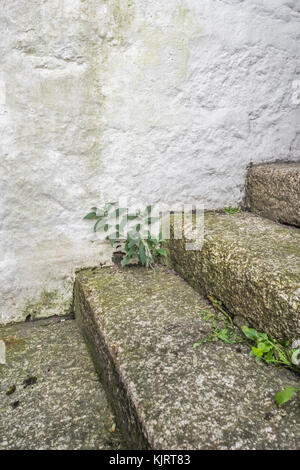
(184, 262)
(272, 191)
(118, 392)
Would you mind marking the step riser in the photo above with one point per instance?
(109, 373)
(273, 191)
(262, 297)
(235, 293)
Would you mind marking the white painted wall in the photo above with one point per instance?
(155, 100)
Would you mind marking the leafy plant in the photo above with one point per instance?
(227, 335)
(115, 223)
(145, 250)
(232, 210)
(275, 352)
(262, 346)
(269, 350)
(285, 395)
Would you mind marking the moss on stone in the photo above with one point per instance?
(141, 326)
(48, 303)
(65, 406)
(273, 191)
(252, 265)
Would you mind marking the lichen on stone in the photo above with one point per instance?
(250, 264)
(141, 326)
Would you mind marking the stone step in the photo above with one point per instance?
(273, 191)
(140, 326)
(62, 406)
(252, 265)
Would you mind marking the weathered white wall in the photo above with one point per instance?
(156, 100)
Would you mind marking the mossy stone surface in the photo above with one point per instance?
(50, 395)
(273, 191)
(252, 265)
(141, 326)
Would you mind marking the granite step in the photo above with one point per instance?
(273, 191)
(50, 394)
(251, 265)
(140, 326)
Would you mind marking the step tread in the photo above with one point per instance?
(273, 191)
(141, 326)
(66, 409)
(252, 265)
(274, 247)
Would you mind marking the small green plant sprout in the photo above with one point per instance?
(269, 350)
(227, 335)
(142, 243)
(263, 348)
(218, 305)
(285, 395)
(232, 210)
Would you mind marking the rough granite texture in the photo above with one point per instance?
(141, 326)
(252, 265)
(273, 191)
(154, 100)
(66, 407)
